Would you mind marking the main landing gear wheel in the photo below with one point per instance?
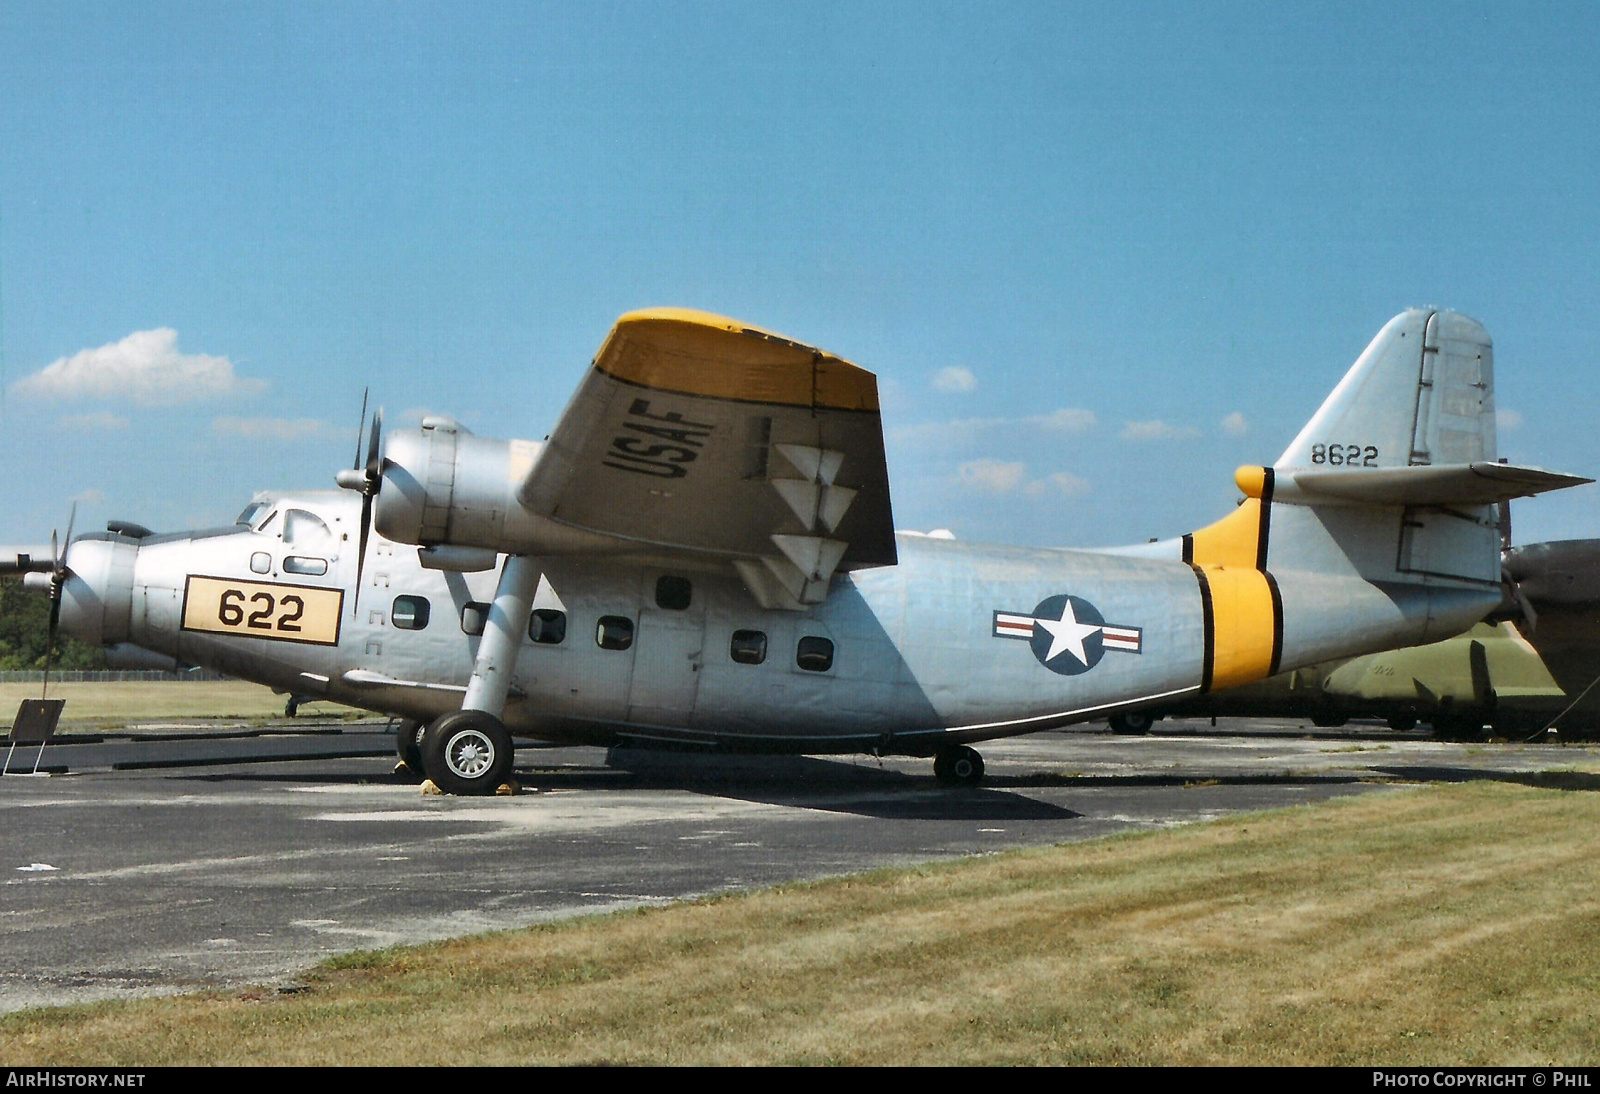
(408, 744)
(959, 766)
(1132, 723)
(467, 752)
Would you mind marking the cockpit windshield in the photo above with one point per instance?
(252, 513)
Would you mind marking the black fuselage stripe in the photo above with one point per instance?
(1208, 625)
(1277, 624)
(1265, 524)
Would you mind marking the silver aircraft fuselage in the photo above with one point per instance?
(909, 658)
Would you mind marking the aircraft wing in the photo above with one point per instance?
(699, 433)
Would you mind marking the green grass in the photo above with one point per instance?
(102, 705)
(1450, 925)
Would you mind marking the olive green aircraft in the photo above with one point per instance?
(702, 554)
(1534, 671)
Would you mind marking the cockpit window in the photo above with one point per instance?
(252, 512)
(306, 530)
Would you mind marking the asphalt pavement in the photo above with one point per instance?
(169, 858)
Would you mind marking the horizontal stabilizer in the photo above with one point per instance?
(1445, 484)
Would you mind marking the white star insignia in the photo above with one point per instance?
(1067, 634)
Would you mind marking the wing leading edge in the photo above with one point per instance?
(700, 433)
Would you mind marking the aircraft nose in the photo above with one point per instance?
(97, 595)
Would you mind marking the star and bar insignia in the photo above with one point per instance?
(1068, 634)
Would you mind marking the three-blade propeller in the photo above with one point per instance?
(367, 481)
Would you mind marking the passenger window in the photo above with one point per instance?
(748, 647)
(614, 632)
(673, 593)
(548, 626)
(814, 654)
(410, 613)
(301, 564)
(474, 617)
(260, 562)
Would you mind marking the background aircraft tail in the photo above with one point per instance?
(1378, 522)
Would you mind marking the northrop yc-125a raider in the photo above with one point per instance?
(702, 554)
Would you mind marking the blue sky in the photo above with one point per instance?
(1098, 255)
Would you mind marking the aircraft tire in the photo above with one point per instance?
(408, 744)
(958, 766)
(1402, 722)
(467, 752)
(1133, 723)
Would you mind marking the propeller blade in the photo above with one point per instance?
(1530, 616)
(373, 483)
(361, 550)
(50, 635)
(72, 519)
(374, 470)
(361, 428)
(58, 578)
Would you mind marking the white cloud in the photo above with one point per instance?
(1070, 485)
(997, 476)
(1156, 430)
(144, 367)
(1234, 425)
(955, 380)
(99, 422)
(1505, 418)
(1003, 477)
(275, 429)
(89, 497)
(1066, 419)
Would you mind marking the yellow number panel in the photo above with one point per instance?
(260, 609)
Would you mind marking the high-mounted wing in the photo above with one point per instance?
(701, 433)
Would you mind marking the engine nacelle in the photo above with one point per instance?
(97, 596)
(444, 485)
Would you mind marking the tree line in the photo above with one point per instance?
(24, 629)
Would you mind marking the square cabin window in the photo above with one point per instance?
(748, 647)
(474, 617)
(547, 626)
(814, 654)
(614, 632)
(673, 593)
(410, 613)
(260, 563)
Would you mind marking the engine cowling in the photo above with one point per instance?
(444, 485)
(97, 596)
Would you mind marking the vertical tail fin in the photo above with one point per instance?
(1421, 394)
(1378, 524)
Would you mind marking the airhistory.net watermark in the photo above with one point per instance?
(53, 1078)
